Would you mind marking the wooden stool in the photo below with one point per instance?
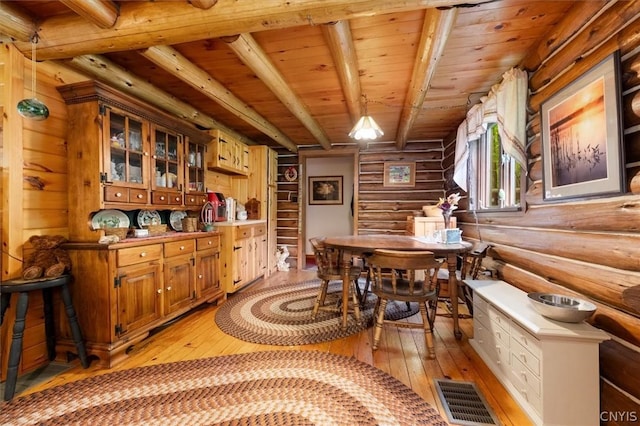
(23, 287)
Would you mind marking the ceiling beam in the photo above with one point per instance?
(104, 14)
(340, 42)
(252, 54)
(435, 33)
(145, 24)
(177, 65)
(102, 69)
(15, 23)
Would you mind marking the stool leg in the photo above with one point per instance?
(16, 346)
(5, 298)
(49, 329)
(75, 327)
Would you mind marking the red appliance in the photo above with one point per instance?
(219, 205)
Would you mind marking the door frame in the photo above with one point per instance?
(303, 155)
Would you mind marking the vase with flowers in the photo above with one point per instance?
(448, 205)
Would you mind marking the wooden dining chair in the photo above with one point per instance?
(329, 263)
(470, 266)
(393, 277)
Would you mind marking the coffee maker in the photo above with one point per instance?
(219, 205)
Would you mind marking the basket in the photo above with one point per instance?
(189, 224)
(156, 229)
(121, 233)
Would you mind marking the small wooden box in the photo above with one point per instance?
(253, 209)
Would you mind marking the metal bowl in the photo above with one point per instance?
(561, 308)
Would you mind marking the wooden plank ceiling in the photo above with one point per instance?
(295, 73)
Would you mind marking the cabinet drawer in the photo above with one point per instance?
(259, 230)
(138, 196)
(194, 200)
(166, 198)
(528, 394)
(205, 243)
(243, 232)
(116, 194)
(159, 197)
(525, 357)
(176, 248)
(524, 375)
(524, 338)
(499, 318)
(479, 304)
(133, 255)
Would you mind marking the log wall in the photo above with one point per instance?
(587, 248)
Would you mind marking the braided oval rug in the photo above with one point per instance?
(260, 388)
(281, 315)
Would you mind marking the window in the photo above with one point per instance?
(498, 177)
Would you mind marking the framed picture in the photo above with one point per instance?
(582, 153)
(399, 174)
(325, 190)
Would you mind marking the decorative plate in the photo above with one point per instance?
(175, 219)
(147, 217)
(110, 219)
(291, 174)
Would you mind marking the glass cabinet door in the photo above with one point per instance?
(194, 167)
(167, 155)
(125, 156)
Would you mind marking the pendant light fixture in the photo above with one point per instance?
(366, 128)
(32, 108)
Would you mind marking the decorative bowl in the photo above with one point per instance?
(561, 308)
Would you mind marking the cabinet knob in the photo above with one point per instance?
(159, 291)
(169, 288)
(146, 154)
(210, 242)
(139, 195)
(181, 248)
(143, 254)
(200, 276)
(118, 194)
(177, 198)
(162, 198)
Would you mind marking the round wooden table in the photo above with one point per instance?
(357, 245)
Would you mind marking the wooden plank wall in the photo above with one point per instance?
(586, 248)
(381, 210)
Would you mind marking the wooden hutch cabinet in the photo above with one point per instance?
(124, 154)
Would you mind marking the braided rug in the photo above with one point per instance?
(282, 315)
(261, 388)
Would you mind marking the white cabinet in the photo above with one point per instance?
(549, 367)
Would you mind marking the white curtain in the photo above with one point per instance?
(506, 104)
(512, 113)
(461, 157)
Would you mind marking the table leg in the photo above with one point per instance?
(452, 261)
(346, 270)
(16, 345)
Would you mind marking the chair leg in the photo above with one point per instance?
(320, 299)
(428, 334)
(356, 301)
(467, 295)
(379, 323)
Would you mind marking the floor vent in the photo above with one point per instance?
(464, 403)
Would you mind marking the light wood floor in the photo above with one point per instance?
(401, 353)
